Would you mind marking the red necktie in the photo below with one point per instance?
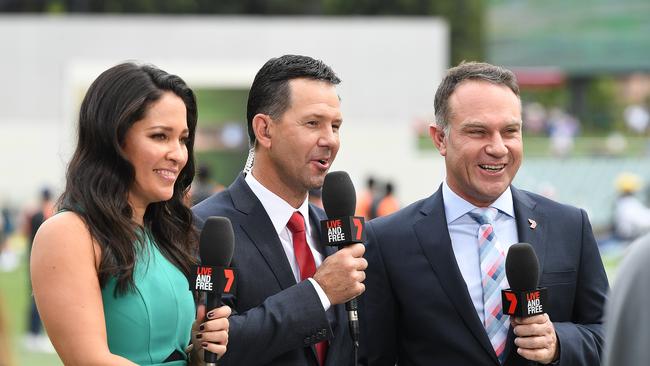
(306, 264)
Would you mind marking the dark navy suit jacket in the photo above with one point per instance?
(275, 320)
(417, 309)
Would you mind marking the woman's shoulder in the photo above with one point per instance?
(64, 232)
(64, 224)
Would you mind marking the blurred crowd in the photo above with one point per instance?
(631, 215)
(376, 199)
(560, 126)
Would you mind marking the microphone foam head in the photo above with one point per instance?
(522, 267)
(339, 197)
(217, 242)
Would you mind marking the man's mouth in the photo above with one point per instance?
(492, 167)
(323, 163)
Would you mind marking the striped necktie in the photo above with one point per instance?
(493, 279)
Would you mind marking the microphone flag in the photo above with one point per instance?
(213, 279)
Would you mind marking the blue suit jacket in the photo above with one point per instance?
(418, 311)
(275, 320)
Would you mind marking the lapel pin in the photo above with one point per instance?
(533, 223)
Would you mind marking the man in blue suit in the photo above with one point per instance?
(287, 310)
(436, 267)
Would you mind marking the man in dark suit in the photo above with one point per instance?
(289, 288)
(436, 267)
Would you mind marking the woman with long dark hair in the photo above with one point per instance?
(109, 270)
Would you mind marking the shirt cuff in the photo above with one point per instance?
(321, 294)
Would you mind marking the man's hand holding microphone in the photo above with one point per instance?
(525, 302)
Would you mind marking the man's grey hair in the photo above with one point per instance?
(479, 71)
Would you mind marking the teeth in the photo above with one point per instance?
(165, 173)
(492, 167)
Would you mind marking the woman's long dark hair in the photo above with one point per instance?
(99, 176)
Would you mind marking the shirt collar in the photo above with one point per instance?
(456, 206)
(279, 210)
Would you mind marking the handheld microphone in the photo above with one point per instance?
(342, 228)
(216, 246)
(524, 298)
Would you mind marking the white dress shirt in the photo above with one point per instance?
(463, 231)
(280, 212)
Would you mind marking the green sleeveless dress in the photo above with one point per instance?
(149, 324)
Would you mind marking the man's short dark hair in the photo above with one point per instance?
(478, 71)
(270, 92)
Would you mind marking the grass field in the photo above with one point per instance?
(14, 290)
(14, 294)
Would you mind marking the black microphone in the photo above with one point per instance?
(342, 228)
(524, 298)
(216, 246)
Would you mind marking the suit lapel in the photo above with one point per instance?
(531, 228)
(336, 314)
(260, 230)
(433, 236)
(531, 224)
(315, 217)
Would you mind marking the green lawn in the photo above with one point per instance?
(611, 263)
(14, 293)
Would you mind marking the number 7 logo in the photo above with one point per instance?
(230, 278)
(359, 226)
(512, 299)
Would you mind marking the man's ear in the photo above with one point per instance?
(262, 129)
(438, 138)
